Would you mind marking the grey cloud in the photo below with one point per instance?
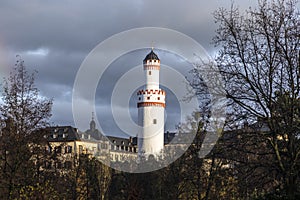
(69, 30)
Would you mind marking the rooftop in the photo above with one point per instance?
(151, 56)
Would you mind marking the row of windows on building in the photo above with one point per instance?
(58, 149)
(69, 149)
(58, 164)
(123, 148)
(59, 135)
(121, 157)
(148, 98)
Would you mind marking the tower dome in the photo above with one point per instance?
(151, 56)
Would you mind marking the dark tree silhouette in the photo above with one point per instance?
(23, 113)
(260, 62)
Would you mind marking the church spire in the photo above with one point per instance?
(93, 123)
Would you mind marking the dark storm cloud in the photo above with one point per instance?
(80, 25)
(63, 25)
(54, 37)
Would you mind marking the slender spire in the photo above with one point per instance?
(92, 123)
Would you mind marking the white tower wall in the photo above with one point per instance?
(151, 140)
(151, 109)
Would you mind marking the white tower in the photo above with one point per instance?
(151, 109)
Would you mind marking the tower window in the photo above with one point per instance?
(158, 98)
(149, 72)
(148, 98)
(154, 121)
(139, 98)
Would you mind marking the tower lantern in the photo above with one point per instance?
(151, 109)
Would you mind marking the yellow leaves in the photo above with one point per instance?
(38, 191)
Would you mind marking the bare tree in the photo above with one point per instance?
(24, 112)
(259, 59)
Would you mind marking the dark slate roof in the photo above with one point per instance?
(260, 126)
(151, 56)
(69, 133)
(122, 141)
(62, 133)
(96, 134)
(168, 137)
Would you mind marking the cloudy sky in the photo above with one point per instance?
(55, 36)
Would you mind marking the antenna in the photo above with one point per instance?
(152, 45)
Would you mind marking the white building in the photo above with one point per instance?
(151, 108)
